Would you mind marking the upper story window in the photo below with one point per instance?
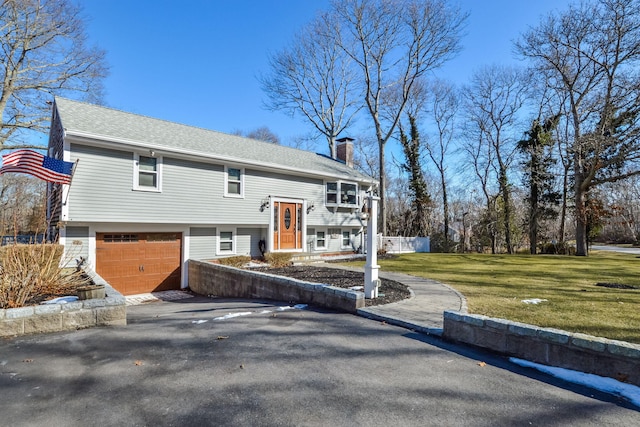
(148, 173)
(233, 182)
(342, 193)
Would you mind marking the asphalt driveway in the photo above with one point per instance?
(201, 362)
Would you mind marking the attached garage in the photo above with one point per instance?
(135, 263)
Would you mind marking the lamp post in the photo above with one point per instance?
(371, 267)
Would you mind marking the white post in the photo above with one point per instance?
(371, 267)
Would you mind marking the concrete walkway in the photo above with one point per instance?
(423, 312)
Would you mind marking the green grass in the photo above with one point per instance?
(495, 286)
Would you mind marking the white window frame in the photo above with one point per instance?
(342, 245)
(226, 182)
(338, 192)
(233, 250)
(136, 174)
(317, 246)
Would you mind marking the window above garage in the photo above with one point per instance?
(233, 182)
(147, 174)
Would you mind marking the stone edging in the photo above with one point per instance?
(64, 317)
(210, 279)
(552, 347)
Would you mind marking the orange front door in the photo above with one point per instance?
(288, 232)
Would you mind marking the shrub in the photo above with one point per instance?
(235, 261)
(560, 248)
(30, 273)
(278, 259)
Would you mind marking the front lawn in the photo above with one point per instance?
(496, 285)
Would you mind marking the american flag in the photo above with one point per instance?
(38, 165)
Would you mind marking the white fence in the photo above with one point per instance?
(398, 245)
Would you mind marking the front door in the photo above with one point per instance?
(288, 226)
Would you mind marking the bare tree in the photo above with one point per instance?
(393, 43)
(22, 203)
(44, 52)
(591, 52)
(494, 100)
(443, 108)
(313, 77)
(262, 133)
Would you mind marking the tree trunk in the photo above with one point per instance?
(445, 209)
(581, 216)
(563, 211)
(504, 188)
(533, 218)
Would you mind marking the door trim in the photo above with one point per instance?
(303, 223)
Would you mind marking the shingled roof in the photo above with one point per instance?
(117, 127)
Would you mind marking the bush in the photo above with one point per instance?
(557, 249)
(440, 245)
(278, 259)
(31, 273)
(235, 261)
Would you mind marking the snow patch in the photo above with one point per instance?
(534, 301)
(61, 300)
(607, 385)
(232, 315)
(247, 313)
(197, 322)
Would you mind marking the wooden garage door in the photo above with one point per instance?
(136, 263)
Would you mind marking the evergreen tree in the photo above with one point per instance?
(418, 224)
(542, 198)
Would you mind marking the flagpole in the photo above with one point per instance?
(73, 172)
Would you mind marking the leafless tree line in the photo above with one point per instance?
(568, 118)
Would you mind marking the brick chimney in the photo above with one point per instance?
(344, 150)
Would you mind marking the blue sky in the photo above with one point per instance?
(196, 61)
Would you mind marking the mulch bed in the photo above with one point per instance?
(388, 292)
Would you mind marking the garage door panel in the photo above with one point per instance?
(139, 262)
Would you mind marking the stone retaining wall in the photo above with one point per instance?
(64, 317)
(552, 347)
(206, 278)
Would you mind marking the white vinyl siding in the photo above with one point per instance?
(202, 243)
(192, 193)
(77, 244)
(248, 239)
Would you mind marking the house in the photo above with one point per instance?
(147, 195)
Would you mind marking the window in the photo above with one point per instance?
(346, 239)
(120, 238)
(147, 173)
(332, 193)
(321, 240)
(226, 242)
(348, 195)
(342, 193)
(234, 182)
